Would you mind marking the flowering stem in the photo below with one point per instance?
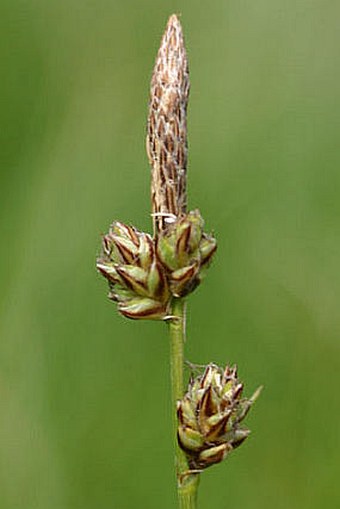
(187, 484)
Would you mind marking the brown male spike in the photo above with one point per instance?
(167, 128)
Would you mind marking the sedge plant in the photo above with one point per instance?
(150, 277)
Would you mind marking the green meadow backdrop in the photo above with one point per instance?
(84, 394)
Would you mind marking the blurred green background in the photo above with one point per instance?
(84, 394)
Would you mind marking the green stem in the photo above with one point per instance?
(187, 484)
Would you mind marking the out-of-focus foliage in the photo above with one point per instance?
(84, 393)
